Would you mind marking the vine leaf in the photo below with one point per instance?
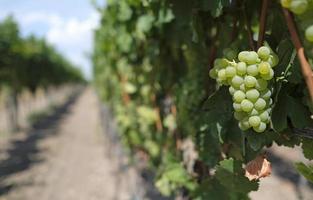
(306, 171)
(292, 108)
(307, 147)
(230, 174)
(258, 168)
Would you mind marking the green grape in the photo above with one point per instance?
(264, 116)
(270, 102)
(253, 112)
(268, 76)
(252, 95)
(298, 6)
(236, 81)
(239, 96)
(237, 107)
(264, 68)
(244, 125)
(242, 56)
(230, 71)
(242, 87)
(253, 70)
(239, 115)
(285, 3)
(231, 90)
(273, 60)
(309, 33)
(220, 63)
(222, 74)
(245, 122)
(229, 53)
(246, 105)
(264, 52)
(260, 104)
(251, 58)
(241, 68)
(261, 128)
(250, 81)
(254, 121)
(213, 73)
(261, 84)
(266, 94)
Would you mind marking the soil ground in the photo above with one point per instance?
(67, 157)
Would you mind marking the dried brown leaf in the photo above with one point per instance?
(258, 168)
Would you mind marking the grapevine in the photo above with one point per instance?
(152, 64)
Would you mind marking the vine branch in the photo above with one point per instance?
(248, 28)
(305, 66)
(263, 17)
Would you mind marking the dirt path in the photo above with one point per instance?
(64, 159)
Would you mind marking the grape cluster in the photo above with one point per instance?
(299, 7)
(248, 84)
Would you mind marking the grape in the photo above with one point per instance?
(264, 53)
(222, 74)
(245, 122)
(254, 121)
(252, 95)
(229, 53)
(230, 71)
(309, 33)
(242, 87)
(270, 101)
(268, 76)
(241, 68)
(261, 128)
(298, 6)
(251, 57)
(252, 70)
(248, 85)
(246, 105)
(243, 126)
(264, 116)
(250, 81)
(273, 60)
(242, 56)
(261, 84)
(237, 107)
(220, 63)
(253, 112)
(266, 95)
(231, 90)
(264, 68)
(237, 81)
(260, 104)
(213, 73)
(239, 115)
(239, 96)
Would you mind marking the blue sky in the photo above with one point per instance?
(67, 24)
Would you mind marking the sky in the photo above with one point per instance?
(66, 24)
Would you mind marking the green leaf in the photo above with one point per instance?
(165, 15)
(307, 147)
(230, 174)
(306, 171)
(216, 6)
(219, 107)
(292, 108)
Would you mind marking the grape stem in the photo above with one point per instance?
(263, 17)
(305, 66)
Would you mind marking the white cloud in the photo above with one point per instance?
(72, 36)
